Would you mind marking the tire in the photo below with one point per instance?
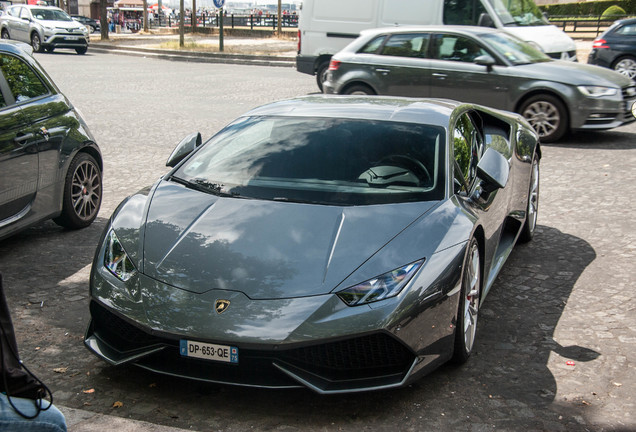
(529, 226)
(468, 311)
(82, 193)
(358, 89)
(93, 29)
(626, 66)
(36, 42)
(81, 51)
(5, 34)
(547, 115)
(321, 73)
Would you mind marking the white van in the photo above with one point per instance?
(327, 26)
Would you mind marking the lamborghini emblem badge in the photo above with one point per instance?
(221, 306)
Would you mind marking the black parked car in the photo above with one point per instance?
(616, 48)
(89, 23)
(50, 165)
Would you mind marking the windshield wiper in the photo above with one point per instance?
(205, 186)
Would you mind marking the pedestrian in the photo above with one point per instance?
(23, 406)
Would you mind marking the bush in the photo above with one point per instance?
(589, 8)
(613, 11)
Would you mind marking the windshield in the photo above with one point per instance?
(320, 160)
(50, 15)
(514, 50)
(518, 12)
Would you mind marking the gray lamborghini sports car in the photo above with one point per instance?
(336, 243)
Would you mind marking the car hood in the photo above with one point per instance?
(550, 38)
(264, 249)
(572, 73)
(60, 24)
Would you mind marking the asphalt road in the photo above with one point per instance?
(556, 341)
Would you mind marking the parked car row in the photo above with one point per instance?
(45, 28)
(484, 66)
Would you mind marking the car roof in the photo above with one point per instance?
(398, 109)
(626, 21)
(468, 30)
(39, 7)
(15, 47)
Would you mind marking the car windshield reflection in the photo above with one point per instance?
(320, 160)
(514, 50)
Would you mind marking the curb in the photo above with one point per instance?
(197, 56)
(85, 421)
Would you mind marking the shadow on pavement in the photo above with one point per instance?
(603, 140)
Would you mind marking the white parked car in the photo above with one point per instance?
(44, 27)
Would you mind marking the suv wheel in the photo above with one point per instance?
(36, 42)
(5, 34)
(81, 51)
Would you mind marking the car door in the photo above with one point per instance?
(18, 154)
(401, 66)
(22, 25)
(455, 75)
(469, 142)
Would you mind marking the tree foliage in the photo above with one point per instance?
(591, 8)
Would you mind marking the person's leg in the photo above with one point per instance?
(51, 420)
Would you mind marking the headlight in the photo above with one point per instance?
(597, 91)
(116, 260)
(384, 286)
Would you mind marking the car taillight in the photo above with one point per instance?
(600, 43)
(298, 41)
(334, 65)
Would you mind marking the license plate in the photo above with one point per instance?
(206, 351)
(71, 37)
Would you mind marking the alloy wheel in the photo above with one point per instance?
(543, 116)
(627, 67)
(86, 190)
(533, 199)
(471, 302)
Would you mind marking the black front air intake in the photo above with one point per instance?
(360, 357)
(118, 332)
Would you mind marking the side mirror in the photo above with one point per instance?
(493, 169)
(184, 148)
(485, 60)
(485, 20)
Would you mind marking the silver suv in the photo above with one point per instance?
(44, 27)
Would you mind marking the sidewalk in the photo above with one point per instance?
(86, 421)
(264, 51)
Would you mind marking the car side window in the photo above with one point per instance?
(463, 12)
(627, 30)
(467, 149)
(372, 46)
(24, 13)
(15, 11)
(455, 48)
(3, 103)
(407, 45)
(22, 80)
